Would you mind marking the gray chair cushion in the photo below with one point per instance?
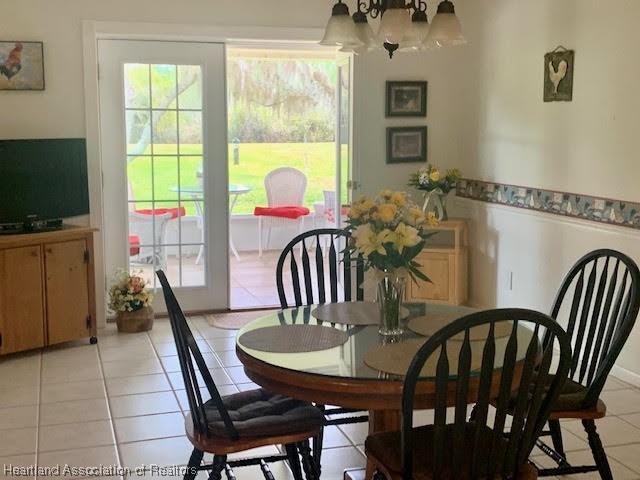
(571, 398)
(258, 413)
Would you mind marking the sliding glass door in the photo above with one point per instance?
(164, 160)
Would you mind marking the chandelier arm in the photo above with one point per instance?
(374, 8)
(417, 5)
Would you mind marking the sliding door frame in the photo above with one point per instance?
(213, 293)
(92, 31)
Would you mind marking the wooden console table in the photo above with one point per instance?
(47, 289)
(445, 261)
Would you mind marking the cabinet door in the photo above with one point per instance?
(66, 270)
(437, 266)
(21, 299)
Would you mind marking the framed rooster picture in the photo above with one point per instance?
(21, 65)
(558, 75)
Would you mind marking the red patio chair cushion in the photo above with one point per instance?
(292, 212)
(134, 245)
(175, 212)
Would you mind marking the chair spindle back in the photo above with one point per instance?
(486, 372)
(322, 273)
(598, 303)
(188, 353)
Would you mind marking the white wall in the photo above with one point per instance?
(449, 73)
(586, 146)
(59, 111)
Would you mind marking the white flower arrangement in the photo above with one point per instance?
(129, 293)
(429, 179)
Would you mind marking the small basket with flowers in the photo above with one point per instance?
(130, 299)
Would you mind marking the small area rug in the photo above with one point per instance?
(235, 320)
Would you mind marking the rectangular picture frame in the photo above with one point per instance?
(558, 75)
(21, 65)
(406, 144)
(406, 99)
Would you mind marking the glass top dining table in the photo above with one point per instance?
(354, 358)
(359, 369)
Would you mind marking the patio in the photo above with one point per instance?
(252, 277)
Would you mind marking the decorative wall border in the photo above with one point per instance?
(585, 207)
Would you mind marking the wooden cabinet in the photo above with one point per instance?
(47, 292)
(66, 283)
(21, 299)
(445, 261)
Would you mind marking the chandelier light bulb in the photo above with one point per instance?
(364, 33)
(341, 30)
(417, 34)
(445, 28)
(394, 25)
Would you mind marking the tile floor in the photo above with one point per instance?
(121, 402)
(253, 280)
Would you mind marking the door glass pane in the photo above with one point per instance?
(190, 87)
(191, 132)
(191, 173)
(193, 244)
(139, 177)
(142, 258)
(165, 132)
(165, 189)
(163, 86)
(138, 132)
(165, 178)
(136, 85)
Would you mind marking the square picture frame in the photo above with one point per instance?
(21, 65)
(406, 99)
(406, 144)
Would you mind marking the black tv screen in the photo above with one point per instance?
(47, 178)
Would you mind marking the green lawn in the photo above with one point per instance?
(316, 160)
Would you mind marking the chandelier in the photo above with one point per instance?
(404, 26)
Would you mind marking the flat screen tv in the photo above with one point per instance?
(47, 178)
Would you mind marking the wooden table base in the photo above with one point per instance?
(382, 421)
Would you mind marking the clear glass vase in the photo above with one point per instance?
(391, 290)
(436, 201)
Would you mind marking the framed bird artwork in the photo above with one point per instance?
(558, 75)
(21, 65)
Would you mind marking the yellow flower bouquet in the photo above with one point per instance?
(430, 178)
(389, 231)
(436, 187)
